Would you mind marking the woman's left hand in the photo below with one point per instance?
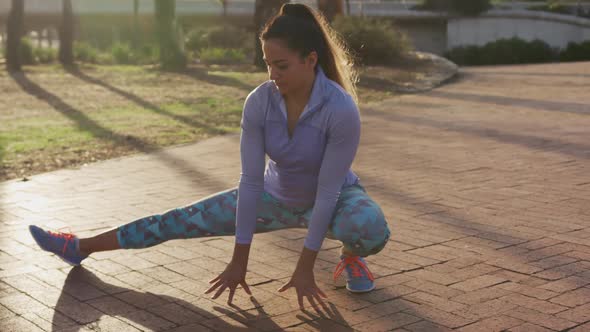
(305, 286)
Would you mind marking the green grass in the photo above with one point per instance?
(52, 118)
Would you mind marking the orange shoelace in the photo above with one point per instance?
(67, 236)
(355, 264)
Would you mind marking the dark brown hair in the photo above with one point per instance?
(304, 31)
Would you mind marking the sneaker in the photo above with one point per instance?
(360, 279)
(61, 244)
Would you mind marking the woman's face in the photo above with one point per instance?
(289, 71)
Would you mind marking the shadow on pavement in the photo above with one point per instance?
(140, 309)
(531, 142)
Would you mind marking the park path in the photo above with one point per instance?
(485, 183)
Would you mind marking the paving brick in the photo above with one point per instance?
(528, 327)
(498, 323)
(543, 320)
(425, 326)
(432, 276)
(486, 309)
(433, 288)
(527, 290)
(191, 328)
(535, 304)
(564, 271)
(578, 314)
(21, 303)
(387, 323)
(435, 301)
(176, 314)
(112, 324)
(112, 306)
(440, 317)
(478, 283)
(574, 298)
(488, 217)
(581, 328)
(17, 324)
(566, 284)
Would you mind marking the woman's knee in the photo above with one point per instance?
(364, 233)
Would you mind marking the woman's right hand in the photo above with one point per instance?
(233, 275)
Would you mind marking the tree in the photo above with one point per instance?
(171, 54)
(14, 31)
(224, 6)
(264, 10)
(331, 8)
(66, 34)
(135, 23)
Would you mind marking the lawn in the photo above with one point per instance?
(51, 118)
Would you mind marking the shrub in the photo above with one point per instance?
(576, 52)
(44, 55)
(147, 54)
(226, 36)
(504, 51)
(375, 42)
(122, 53)
(465, 7)
(553, 7)
(26, 52)
(85, 52)
(195, 40)
(465, 55)
(222, 55)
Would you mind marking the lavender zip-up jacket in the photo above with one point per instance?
(309, 168)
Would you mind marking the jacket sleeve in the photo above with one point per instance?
(251, 183)
(342, 143)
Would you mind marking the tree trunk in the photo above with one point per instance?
(66, 34)
(171, 54)
(135, 23)
(330, 8)
(264, 10)
(14, 31)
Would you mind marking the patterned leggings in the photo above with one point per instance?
(358, 221)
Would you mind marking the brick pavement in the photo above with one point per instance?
(485, 182)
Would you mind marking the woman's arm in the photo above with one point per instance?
(343, 140)
(252, 176)
(249, 190)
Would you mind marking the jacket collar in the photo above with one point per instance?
(316, 98)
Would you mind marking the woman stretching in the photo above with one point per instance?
(306, 120)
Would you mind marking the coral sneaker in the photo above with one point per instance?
(360, 279)
(61, 244)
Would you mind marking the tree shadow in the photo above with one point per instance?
(84, 123)
(141, 309)
(545, 105)
(505, 73)
(75, 71)
(437, 214)
(381, 84)
(203, 75)
(531, 142)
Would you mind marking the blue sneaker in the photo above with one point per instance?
(360, 279)
(61, 244)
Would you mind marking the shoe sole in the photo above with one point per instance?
(360, 291)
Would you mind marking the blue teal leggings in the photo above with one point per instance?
(358, 221)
